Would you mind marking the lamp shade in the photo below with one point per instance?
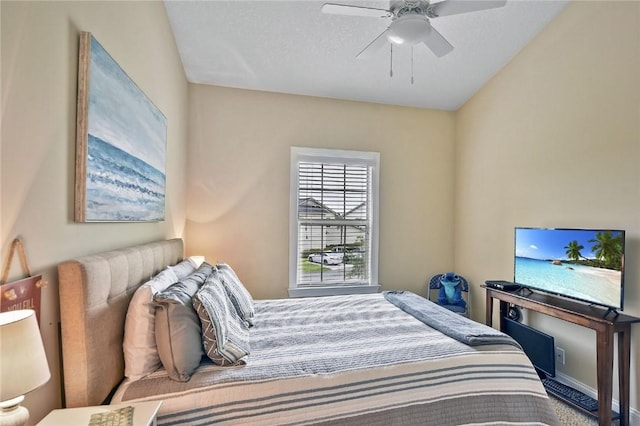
(23, 362)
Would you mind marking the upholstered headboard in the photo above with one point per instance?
(95, 292)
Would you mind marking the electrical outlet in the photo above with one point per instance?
(559, 355)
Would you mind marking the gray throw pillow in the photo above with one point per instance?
(225, 335)
(238, 294)
(178, 330)
(184, 268)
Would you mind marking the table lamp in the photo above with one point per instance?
(23, 364)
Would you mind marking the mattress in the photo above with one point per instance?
(352, 360)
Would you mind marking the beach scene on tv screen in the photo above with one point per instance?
(581, 264)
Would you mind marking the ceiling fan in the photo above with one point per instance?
(411, 21)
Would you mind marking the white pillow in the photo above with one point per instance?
(139, 346)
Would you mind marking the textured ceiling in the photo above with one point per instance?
(292, 47)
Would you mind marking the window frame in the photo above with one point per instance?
(320, 155)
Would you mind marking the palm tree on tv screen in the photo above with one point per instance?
(573, 250)
(608, 249)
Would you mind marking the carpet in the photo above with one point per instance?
(569, 416)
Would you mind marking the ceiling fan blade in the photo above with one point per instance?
(343, 9)
(455, 7)
(437, 43)
(377, 44)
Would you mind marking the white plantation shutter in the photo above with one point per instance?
(333, 221)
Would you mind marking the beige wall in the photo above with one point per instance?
(554, 141)
(238, 181)
(39, 69)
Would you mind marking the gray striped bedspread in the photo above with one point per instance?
(352, 360)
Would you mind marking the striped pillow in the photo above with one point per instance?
(225, 336)
(240, 297)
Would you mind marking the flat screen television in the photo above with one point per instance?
(581, 264)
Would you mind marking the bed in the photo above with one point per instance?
(386, 358)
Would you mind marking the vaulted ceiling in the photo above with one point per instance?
(292, 47)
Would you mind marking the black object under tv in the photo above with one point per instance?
(538, 346)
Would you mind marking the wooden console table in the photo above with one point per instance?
(605, 323)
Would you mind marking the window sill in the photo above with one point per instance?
(333, 291)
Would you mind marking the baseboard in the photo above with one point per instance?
(634, 415)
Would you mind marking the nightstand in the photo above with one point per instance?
(144, 414)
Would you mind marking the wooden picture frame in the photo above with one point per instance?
(120, 144)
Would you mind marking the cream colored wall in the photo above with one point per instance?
(238, 181)
(554, 141)
(39, 70)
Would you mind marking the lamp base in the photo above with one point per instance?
(12, 413)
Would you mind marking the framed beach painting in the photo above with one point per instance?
(120, 144)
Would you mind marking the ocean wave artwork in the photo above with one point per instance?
(124, 138)
(116, 178)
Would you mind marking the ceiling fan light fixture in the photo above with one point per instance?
(409, 29)
(394, 38)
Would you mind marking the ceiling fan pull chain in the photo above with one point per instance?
(391, 62)
(412, 65)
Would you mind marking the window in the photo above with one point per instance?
(333, 246)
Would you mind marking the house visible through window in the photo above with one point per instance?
(334, 225)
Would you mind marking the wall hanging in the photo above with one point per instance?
(23, 293)
(120, 143)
